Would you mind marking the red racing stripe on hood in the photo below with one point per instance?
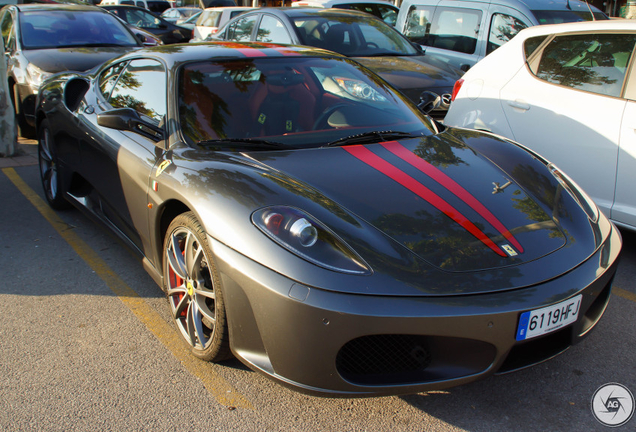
(452, 186)
(246, 51)
(368, 157)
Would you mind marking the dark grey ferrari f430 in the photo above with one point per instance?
(303, 216)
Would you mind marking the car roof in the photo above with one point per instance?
(55, 6)
(305, 11)
(328, 3)
(529, 4)
(222, 50)
(576, 27)
(125, 6)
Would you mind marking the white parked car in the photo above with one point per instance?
(568, 92)
(212, 18)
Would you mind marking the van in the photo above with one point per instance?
(154, 6)
(461, 32)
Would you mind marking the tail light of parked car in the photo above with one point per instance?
(456, 87)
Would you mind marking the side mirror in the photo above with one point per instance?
(129, 120)
(429, 101)
(420, 48)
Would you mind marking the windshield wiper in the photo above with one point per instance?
(245, 142)
(370, 137)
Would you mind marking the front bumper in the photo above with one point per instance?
(336, 344)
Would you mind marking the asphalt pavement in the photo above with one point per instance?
(86, 344)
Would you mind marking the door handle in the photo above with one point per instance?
(519, 104)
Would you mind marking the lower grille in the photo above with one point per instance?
(405, 359)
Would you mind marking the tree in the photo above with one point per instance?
(8, 144)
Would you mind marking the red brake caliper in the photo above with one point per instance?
(176, 281)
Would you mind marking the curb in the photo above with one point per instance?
(27, 154)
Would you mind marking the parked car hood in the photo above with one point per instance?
(72, 59)
(413, 74)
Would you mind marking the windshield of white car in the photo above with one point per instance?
(54, 29)
(298, 102)
(362, 37)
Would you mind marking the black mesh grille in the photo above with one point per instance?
(408, 359)
(383, 354)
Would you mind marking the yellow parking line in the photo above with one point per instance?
(625, 294)
(222, 391)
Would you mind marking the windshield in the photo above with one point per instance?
(298, 102)
(359, 37)
(561, 16)
(62, 29)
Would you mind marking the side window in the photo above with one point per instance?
(418, 23)
(502, 28)
(8, 35)
(595, 63)
(108, 79)
(272, 30)
(241, 30)
(211, 19)
(455, 30)
(140, 19)
(141, 86)
(388, 14)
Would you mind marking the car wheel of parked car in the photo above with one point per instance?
(24, 129)
(194, 289)
(49, 169)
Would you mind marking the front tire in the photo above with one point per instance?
(193, 288)
(49, 169)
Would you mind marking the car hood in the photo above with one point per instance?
(435, 197)
(413, 74)
(72, 59)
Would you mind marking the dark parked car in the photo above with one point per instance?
(355, 34)
(303, 215)
(167, 32)
(40, 40)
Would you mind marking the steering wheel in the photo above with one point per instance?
(372, 45)
(321, 121)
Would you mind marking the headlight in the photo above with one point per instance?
(36, 75)
(303, 235)
(359, 89)
(576, 192)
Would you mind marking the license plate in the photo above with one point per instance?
(548, 319)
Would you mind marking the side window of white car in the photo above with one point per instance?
(272, 29)
(502, 28)
(595, 63)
